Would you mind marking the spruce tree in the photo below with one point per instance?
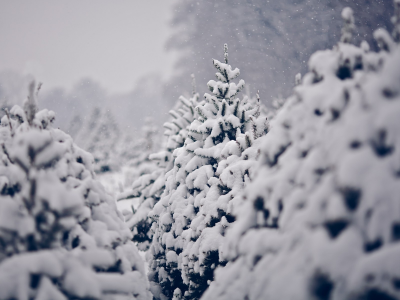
(100, 135)
(75, 126)
(134, 155)
(84, 135)
(102, 142)
(321, 220)
(61, 236)
(195, 206)
(147, 189)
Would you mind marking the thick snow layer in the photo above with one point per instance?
(209, 171)
(61, 235)
(321, 219)
(147, 189)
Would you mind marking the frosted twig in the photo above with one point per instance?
(38, 88)
(396, 21)
(30, 105)
(9, 121)
(193, 84)
(348, 27)
(226, 53)
(297, 79)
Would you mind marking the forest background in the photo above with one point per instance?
(139, 71)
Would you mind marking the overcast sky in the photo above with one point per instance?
(114, 42)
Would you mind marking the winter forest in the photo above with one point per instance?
(265, 165)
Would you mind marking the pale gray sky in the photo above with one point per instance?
(115, 42)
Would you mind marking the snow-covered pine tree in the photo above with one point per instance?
(103, 141)
(149, 136)
(149, 187)
(322, 219)
(83, 136)
(135, 155)
(99, 134)
(128, 148)
(61, 236)
(196, 204)
(75, 126)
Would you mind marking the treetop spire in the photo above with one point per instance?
(396, 21)
(224, 88)
(30, 104)
(226, 52)
(193, 84)
(348, 28)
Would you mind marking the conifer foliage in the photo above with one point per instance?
(103, 142)
(321, 220)
(148, 188)
(99, 135)
(208, 172)
(134, 152)
(61, 236)
(233, 207)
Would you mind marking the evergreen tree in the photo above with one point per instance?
(61, 236)
(83, 137)
(321, 220)
(195, 206)
(81, 99)
(75, 126)
(103, 141)
(100, 136)
(134, 155)
(149, 187)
